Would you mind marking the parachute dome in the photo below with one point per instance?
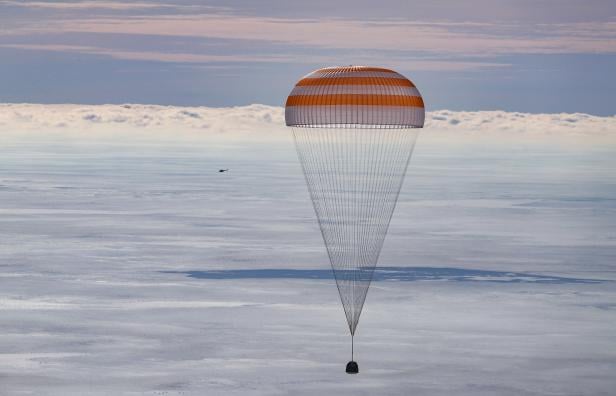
(355, 95)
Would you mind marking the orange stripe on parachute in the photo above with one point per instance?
(357, 100)
(400, 82)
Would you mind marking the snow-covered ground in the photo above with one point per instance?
(130, 265)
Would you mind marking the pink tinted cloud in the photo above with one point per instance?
(159, 56)
(438, 37)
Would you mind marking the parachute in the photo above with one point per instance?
(354, 129)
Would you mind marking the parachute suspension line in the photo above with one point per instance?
(354, 176)
(352, 352)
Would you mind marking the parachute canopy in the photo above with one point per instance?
(355, 95)
(355, 129)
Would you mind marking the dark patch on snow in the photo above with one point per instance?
(400, 274)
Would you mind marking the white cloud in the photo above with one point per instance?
(548, 125)
(268, 122)
(137, 120)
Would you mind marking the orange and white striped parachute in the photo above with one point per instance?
(355, 95)
(355, 129)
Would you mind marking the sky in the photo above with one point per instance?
(545, 56)
(130, 265)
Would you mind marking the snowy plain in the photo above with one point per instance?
(130, 266)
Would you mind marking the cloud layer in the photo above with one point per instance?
(435, 36)
(268, 122)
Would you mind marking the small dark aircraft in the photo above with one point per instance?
(222, 170)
